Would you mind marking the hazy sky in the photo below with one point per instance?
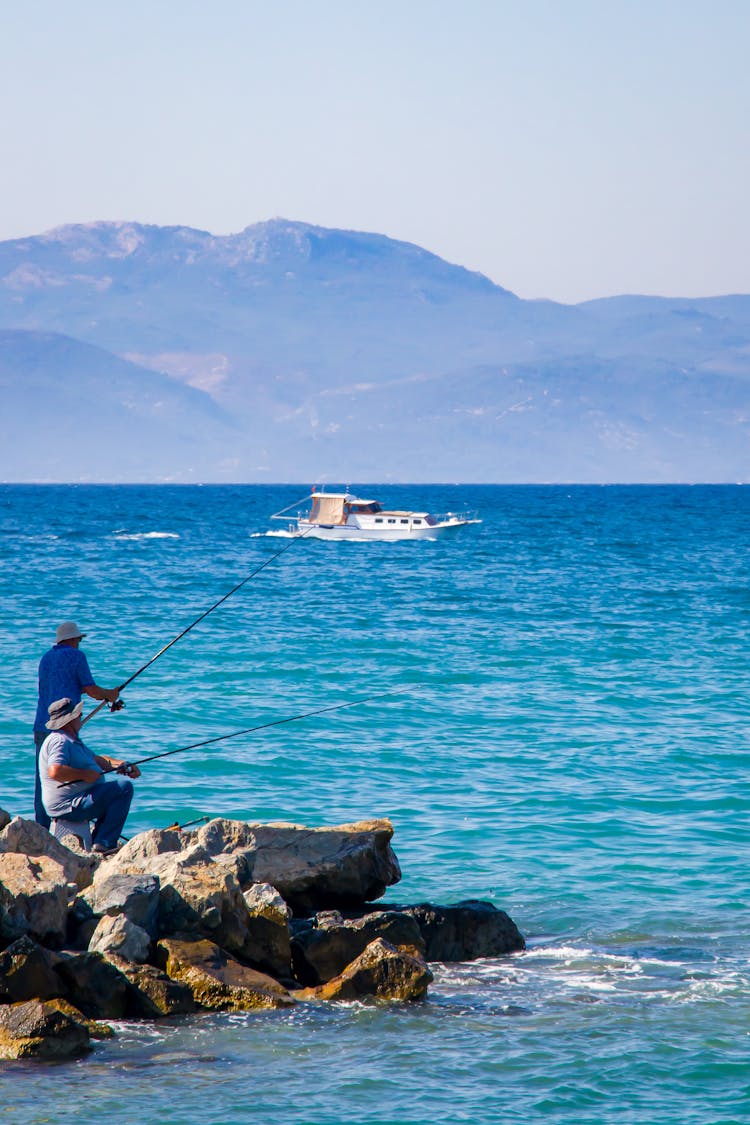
(566, 149)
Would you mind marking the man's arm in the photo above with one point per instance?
(117, 765)
(111, 695)
(67, 773)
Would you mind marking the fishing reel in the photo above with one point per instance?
(117, 705)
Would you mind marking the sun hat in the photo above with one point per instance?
(61, 712)
(68, 631)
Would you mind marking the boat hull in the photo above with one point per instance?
(385, 534)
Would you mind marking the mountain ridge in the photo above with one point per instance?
(311, 351)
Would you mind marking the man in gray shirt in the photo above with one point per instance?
(72, 777)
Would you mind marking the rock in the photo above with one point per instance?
(147, 846)
(95, 1029)
(217, 980)
(382, 971)
(33, 897)
(41, 1029)
(117, 936)
(152, 993)
(311, 868)
(268, 945)
(196, 895)
(27, 973)
(4, 818)
(135, 896)
(323, 949)
(465, 931)
(96, 987)
(26, 837)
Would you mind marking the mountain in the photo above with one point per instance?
(293, 352)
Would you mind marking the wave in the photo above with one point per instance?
(136, 535)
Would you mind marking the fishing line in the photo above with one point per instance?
(264, 726)
(197, 621)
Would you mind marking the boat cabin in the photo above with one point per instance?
(332, 508)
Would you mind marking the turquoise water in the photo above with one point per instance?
(573, 746)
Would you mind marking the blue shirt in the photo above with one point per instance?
(63, 674)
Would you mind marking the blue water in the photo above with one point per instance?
(574, 746)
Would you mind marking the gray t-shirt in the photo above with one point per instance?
(59, 749)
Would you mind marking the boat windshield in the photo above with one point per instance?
(369, 508)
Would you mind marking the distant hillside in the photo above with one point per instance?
(292, 352)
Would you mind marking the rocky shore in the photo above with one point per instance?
(231, 916)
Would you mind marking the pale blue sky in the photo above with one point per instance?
(567, 150)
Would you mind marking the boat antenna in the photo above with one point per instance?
(264, 726)
(197, 621)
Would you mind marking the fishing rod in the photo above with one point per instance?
(260, 726)
(193, 624)
(176, 827)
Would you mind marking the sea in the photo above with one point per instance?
(572, 745)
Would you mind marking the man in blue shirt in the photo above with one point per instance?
(63, 674)
(72, 778)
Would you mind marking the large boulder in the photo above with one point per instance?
(196, 894)
(41, 1029)
(323, 946)
(268, 945)
(217, 980)
(466, 931)
(117, 937)
(381, 972)
(26, 837)
(4, 818)
(27, 972)
(311, 868)
(33, 898)
(94, 985)
(152, 994)
(134, 896)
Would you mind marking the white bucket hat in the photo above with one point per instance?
(68, 631)
(61, 712)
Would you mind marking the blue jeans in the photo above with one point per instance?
(108, 803)
(40, 813)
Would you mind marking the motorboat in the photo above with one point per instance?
(341, 515)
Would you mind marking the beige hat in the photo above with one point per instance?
(61, 712)
(68, 631)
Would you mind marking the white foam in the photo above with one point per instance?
(146, 535)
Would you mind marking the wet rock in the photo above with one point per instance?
(312, 868)
(27, 972)
(135, 896)
(466, 931)
(33, 898)
(323, 950)
(116, 936)
(152, 994)
(381, 972)
(94, 985)
(4, 818)
(95, 1029)
(268, 946)
(218, 981)
(41, 1029)
(26, 837)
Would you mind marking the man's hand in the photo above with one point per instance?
(128, 769)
